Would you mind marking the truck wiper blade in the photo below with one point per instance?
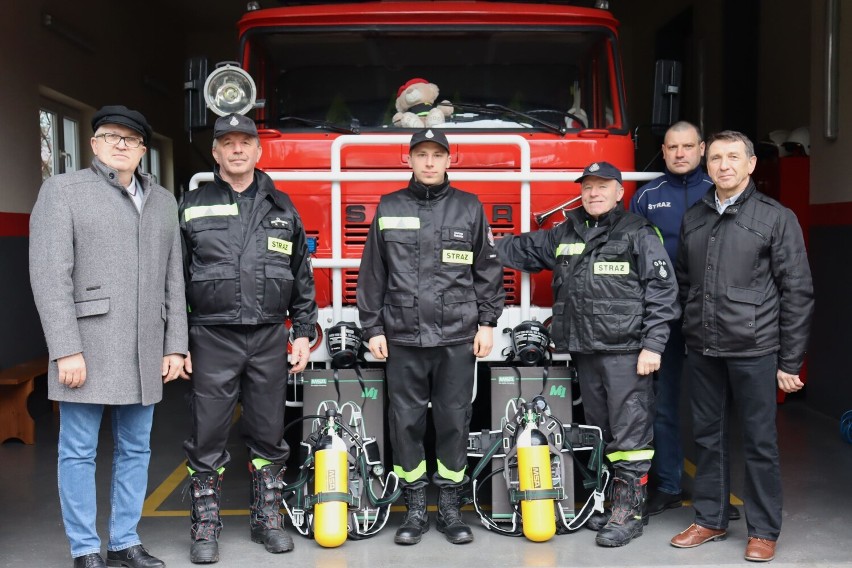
(500, 109)
(354, 129)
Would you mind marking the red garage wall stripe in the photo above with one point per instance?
(822, 215)
(831, 214)
(14, 224)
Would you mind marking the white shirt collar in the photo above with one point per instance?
(722, 205)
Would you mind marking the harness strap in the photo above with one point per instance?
(331, 497)
(556, 493)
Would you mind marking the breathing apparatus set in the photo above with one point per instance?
(529, 453)
(341, 492)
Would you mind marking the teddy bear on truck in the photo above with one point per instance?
(415, 103)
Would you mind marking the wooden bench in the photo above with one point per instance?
(16, 385)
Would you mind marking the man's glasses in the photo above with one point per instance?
(113, 139)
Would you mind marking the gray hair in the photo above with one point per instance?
(255, 138)
(732, 136)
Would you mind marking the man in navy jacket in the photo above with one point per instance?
(663, 201)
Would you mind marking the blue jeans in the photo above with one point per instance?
(749, 384)
(667, 465)
(79, 425)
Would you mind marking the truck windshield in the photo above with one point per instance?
(552, 80)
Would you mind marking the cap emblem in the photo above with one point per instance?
(429, 134)
(594, 167)
(234, 121)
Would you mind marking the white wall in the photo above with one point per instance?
(830, 175)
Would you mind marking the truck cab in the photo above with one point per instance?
(536, 90)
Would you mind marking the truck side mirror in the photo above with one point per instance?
(667, 84)
(195, 108)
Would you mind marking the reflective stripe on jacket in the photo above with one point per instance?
(613, 285)
(429, 274)
(257, 279)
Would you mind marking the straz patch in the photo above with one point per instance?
(457, 256)
(490, 237)
(279, 245)
(612, 268)
(661, 269)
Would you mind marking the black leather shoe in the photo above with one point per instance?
(89, 561)
(133, 557)
(733, 513)
(659, 502)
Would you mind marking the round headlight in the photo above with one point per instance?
(229, 89)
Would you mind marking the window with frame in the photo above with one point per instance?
(59, 133)
(151, 162)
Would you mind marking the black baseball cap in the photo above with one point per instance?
(603, 170)
(121, 115)
(429, 135)
(234, 123)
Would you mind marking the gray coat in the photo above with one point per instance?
(108, 282)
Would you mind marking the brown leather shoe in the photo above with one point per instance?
(697, 535)
(760, 549)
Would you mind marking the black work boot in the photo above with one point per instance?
(416, 519)
(628, 510)
(449, 519)
(206, 494)
(597, 521)
(267, 490)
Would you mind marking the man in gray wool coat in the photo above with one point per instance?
(107, 278)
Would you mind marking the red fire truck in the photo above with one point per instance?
(537, 90)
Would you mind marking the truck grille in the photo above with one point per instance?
(355, 237)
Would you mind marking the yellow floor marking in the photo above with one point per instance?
(689, 468)
(173, 482)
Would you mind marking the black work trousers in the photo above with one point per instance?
(621, 403)
(751, 384)
(230, 362)
(416, 376)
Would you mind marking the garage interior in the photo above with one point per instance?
(751, 65)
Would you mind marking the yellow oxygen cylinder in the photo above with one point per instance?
(538, 516)
(331, 474)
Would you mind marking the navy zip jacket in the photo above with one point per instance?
(663, 202)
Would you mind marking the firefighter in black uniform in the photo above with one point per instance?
(614, 296)
(430, 291)
(247, 269)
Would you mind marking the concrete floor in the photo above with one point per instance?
(817, 468)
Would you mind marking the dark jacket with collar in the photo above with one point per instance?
(613, 285)
(664, 201)
(745, 283)
(429, 274)
(261, 278)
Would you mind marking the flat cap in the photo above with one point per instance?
(119, 114)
